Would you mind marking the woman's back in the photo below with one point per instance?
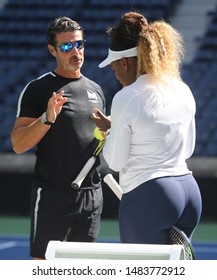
(159, 131)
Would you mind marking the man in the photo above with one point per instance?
(54, 114)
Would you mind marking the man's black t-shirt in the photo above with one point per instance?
(69, 142)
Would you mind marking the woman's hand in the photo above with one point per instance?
(102, 121)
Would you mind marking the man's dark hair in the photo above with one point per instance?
(61, 24)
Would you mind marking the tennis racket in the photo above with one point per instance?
(176, 236)
(76, 184)
(114, 186)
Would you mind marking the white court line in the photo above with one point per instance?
(7, 245)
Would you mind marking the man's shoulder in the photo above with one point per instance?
(89, 81)
(40, 83)
(43, 78)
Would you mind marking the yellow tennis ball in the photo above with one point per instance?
(97, 134)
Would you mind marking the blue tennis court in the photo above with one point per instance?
(14, 248)
(14, 239)
(17, 248)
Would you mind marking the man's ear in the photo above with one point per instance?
(51, 50)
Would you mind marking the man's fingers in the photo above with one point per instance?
(62, 100)
(60, 93)
(58, 98)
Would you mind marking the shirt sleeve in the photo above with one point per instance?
(29, 102)
(117, 148)
(191, 133)
(190, 145)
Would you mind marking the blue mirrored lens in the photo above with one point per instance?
(67, 47)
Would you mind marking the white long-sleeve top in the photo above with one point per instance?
(152, 131)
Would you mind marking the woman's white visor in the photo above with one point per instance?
(115, 55)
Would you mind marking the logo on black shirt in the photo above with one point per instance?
(92, 96)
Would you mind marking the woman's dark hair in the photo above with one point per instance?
(159, 46)
(125, 34)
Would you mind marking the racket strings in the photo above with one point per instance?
(177, 238)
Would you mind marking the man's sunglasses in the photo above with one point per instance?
(67, 47)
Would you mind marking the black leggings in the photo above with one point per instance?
(149, 211)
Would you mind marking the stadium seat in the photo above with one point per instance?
(23, 54)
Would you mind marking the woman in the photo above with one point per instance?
(152, 131)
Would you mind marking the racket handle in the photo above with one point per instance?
(114, 186)
(76, 184)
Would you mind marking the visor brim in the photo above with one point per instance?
(115, 55)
